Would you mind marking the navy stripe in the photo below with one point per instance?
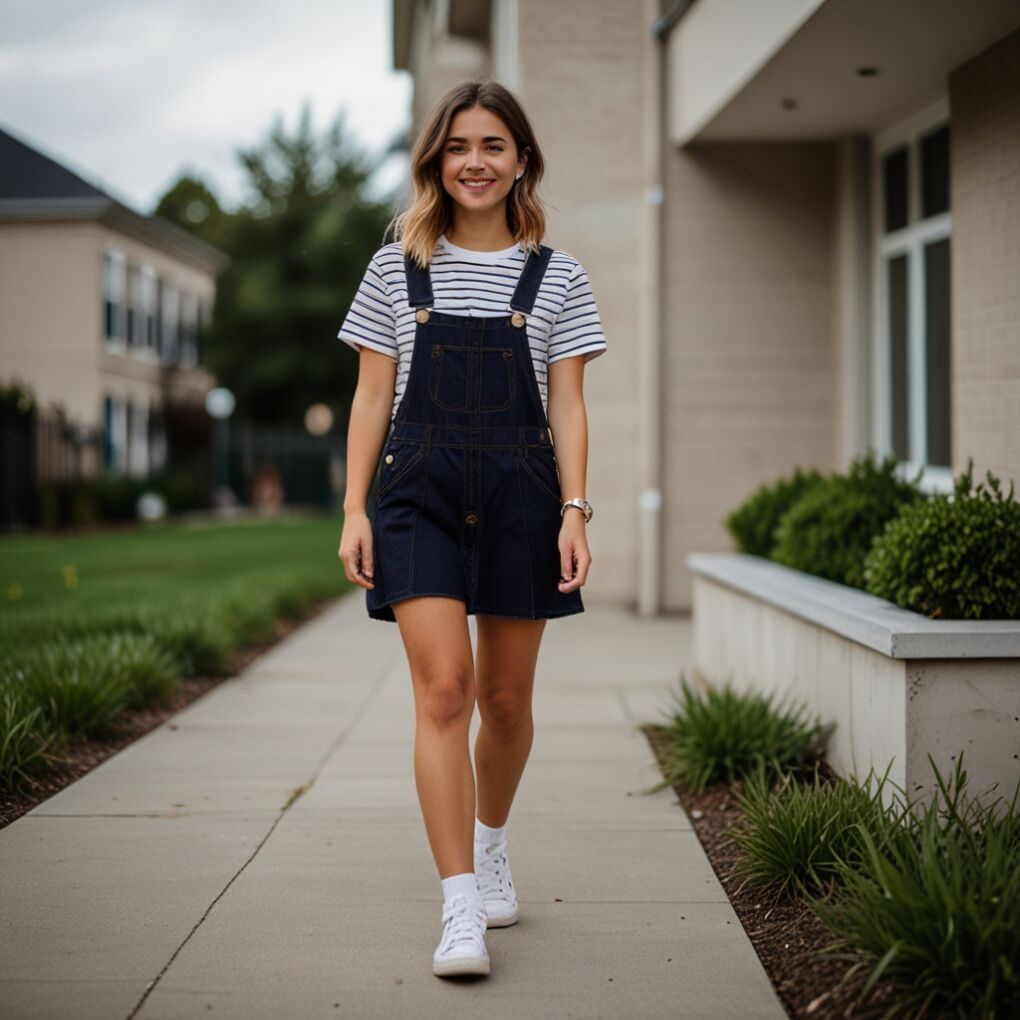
(564, 322)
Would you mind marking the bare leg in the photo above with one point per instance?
(438, 644)
(505, 675)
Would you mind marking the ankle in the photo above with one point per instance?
(487, 835)
(464, 884)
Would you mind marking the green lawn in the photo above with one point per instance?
(95, 623)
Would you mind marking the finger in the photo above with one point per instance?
(351, 570)
(364, 576)
(566, 561)
(350, 560)
(582, 571)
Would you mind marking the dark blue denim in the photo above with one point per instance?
(468, 494)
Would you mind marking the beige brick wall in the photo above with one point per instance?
(51, 312)
(51, 318)
(582, 84)
(752, 362)
(984, 97)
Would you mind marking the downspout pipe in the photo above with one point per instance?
(651, 372)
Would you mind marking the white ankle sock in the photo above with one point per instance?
(464, 884)
(487, 835)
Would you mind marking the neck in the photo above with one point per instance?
(486, 232)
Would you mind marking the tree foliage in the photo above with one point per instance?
(299, 244)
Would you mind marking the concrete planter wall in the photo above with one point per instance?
(897, 684)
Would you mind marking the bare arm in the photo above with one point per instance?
(568, 420)
(366, 433)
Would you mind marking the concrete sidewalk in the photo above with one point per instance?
(190, 875)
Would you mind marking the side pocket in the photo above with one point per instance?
(404, 458)
(538, 464)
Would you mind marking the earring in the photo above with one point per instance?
(520, 175)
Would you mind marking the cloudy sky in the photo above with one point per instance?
(130, 93)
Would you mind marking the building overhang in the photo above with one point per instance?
(152, 230)
(742, 70)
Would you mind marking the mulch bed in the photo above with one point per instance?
(783, 930)
(84, 753)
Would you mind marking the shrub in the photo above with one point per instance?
(27, 737)
(726, 735)
(796, 833)
(830, 529)
(933, 908)
(954, 556)
(753, 523)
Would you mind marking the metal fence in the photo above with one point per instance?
(263, 466)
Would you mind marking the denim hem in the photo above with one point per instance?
(384, 610)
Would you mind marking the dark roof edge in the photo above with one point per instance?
(154, 230)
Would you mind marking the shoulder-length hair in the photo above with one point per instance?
(430, 212)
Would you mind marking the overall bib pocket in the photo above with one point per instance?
(450, 378)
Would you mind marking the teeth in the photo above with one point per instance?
(479, 184)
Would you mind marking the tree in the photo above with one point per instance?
(299, 245)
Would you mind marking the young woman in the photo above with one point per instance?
(473, 338)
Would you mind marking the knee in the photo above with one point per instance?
(445, 698)
(505, 711)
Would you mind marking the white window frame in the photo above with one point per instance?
(187, 353)
(134, 309)
(115, 290)
(170, 311)
(909, 241)
(118, 433)
(149, 311)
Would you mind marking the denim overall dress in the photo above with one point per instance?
(468, 492)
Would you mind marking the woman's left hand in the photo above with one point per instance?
(575, 558)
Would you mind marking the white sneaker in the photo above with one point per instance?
(495, 884)
(462, 948)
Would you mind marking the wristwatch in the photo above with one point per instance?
(582, 504)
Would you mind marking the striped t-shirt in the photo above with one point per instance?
(564, 322)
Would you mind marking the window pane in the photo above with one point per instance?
(935, 172)
(896, 269)
(894, 189)
(936, 311)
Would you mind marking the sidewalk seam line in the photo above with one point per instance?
(330, 751)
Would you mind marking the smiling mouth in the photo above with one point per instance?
(479, 185)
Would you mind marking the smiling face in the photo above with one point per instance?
(480, 160)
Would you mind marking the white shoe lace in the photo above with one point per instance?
(494, 873)
(463, 923)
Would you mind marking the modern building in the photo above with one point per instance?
(101, 309)
(801, 220)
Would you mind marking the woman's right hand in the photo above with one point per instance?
(356, 549)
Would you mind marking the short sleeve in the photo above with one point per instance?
(577, 329)
(370, 321)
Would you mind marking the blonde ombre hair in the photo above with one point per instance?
(430, 212)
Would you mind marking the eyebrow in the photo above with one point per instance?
(487, 138)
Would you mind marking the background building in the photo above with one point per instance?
(801, 220)
(101, 312)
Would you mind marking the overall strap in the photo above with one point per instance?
(523, 299)
(419, 284)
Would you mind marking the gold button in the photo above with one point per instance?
(517, 319)
(389, 458)
(422, 315)
(471, 518)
